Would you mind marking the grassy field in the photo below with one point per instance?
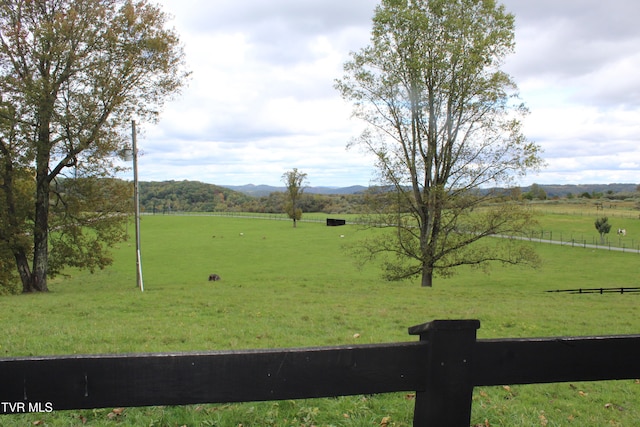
(574, 222)
(286, 287)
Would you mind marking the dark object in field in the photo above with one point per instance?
(214, 277)
(332, 222)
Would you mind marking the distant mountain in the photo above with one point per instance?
(198, 196)
(354, 189)
(578, 189)
(254, 190)
(265, 190)
(552, 190)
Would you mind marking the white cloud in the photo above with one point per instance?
(261, 99)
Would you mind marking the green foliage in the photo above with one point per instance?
(442, 123)
(89, 222)
(603, 227)
(17, 191)
(535, 193)
(190, 196)
(293, 213)
(73, 75)
(294, 181)
(8, 276)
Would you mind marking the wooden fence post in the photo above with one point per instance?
(446, 400)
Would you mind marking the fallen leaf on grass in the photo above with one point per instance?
(582, 393)
(385, 421)
(543, 420)
(115, 412)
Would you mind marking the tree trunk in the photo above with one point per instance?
(30, 282)
(41, 238)
(294, 223)
(428, 236)
(427, 276)
(38, 282)
(23, 269)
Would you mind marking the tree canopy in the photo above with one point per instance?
(603, 226)
(294, 181)
(73, 74)
(444, 121)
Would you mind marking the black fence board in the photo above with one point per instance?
(618, 290)
(96, 381)
(551, 360)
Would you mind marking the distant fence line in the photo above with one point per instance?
(609, 212)
(623, 244)
(542, 236)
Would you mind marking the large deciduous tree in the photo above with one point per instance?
(73, 74)
(443, 123)
(295, 182)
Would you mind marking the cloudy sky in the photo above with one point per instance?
(261, 99)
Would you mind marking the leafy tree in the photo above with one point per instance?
(442, 123)
(536, 192)
(72, 76)
(192, 196)
(295, 181)
(603, 227)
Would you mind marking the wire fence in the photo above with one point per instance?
(618, 243)
(614, 243)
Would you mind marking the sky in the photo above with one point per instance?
(261, 98)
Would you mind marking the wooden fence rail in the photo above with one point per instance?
(442, 368)
(619, 290)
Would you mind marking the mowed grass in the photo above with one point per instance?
(286, 287)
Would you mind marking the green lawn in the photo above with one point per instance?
(286, 287)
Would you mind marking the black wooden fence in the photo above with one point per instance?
(442, 368)
(618, 290)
